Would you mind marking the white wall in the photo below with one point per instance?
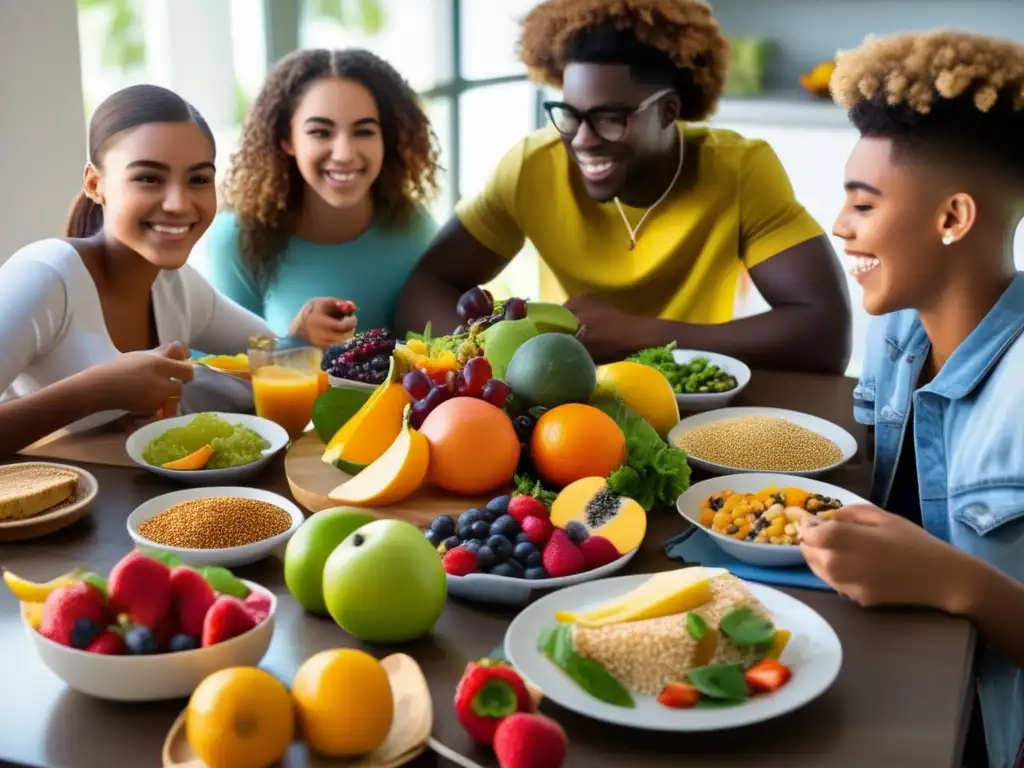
(42, 139)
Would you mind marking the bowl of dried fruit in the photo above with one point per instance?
(224, 526)
(757, 517)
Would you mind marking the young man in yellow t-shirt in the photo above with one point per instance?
(646, 222)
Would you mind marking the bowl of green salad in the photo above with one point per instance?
(207, 448)
(702, 381)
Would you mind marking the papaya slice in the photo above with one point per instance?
(619, 519)
(195, 460)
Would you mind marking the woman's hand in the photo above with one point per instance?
(878, 558)
(325, 321)
(141, 382)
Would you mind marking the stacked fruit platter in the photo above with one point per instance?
(513, 407)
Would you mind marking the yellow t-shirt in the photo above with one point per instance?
(690, 251)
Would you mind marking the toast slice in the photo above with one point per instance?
(30, 490)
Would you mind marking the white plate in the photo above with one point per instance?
(273, 433)
(847, 443)
(505, 590)
(229, 557)
(711, 400)
(770, 555)
(349, 384)
(814, 653)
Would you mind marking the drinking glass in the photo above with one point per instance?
(286, 381)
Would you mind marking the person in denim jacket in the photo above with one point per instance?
(935, 192)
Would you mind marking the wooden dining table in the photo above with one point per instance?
(902, 698)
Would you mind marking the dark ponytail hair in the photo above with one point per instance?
(128, 108)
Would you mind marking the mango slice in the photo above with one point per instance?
(195, 460)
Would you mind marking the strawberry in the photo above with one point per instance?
(522, 507)
(561, 557)
(228, 617)
(140, 586)
(65, 606)
(109, 643)
(489, 691)
(767, 676)
(528, 740)
(679, 696)
(537, 529)
(459, 561)
(258, 604)
(165, 629)
(192, 597)
(598, 551)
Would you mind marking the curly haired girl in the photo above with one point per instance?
(645, 220)
(326, 193)
(934, 193)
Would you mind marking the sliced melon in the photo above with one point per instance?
(619, 519)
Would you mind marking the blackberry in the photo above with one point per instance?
(524, 427)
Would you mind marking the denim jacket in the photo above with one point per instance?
(969, 440)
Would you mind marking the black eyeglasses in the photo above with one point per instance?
(610, 123)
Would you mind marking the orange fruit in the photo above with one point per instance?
(473, 446)
(344, 702)
(240, 717)
(574, 441)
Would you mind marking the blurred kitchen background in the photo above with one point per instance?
(62, 57)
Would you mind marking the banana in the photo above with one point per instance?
(33, 613)
(37, 592)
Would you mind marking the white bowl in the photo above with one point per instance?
(228, 557)
(349, 384)
(273, 433)
(506, 590)
(153, 677)
(769, 555)
(711, 400)
(847, 443)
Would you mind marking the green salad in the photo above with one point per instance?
(233, 445)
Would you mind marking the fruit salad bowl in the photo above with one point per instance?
(156, 676)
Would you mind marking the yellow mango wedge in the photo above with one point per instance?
(195, 460)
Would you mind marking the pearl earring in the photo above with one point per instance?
(947, 237)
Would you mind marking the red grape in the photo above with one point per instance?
(495, 392)
(475, 374)
(418, 413)
(435, 397)
(416, 384)
(515, 309)
(474, 303)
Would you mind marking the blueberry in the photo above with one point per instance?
(84, 632)
(489, 515)
(501, 546)
(443, 525)
(485, 558)
(469, 517)
(183, 643)
(481, 529)
(508, 568)
(499, 504)
(523, 551)
(451, 543)
(536, 572)
(506, 526)
(473, 545)
(523, 537)
(140, 640)
(535, 559)
(433, 538)
(577, 532)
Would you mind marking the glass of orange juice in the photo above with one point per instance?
(286, 381)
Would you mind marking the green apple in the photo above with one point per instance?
(501, 341)
(385, 583)
(309, 548)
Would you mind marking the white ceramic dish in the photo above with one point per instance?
(769, 555)
(271, 432)
(230, 557)
(814, 653)
(847, 443)
(56, 518)
(156, 677)
(349, 384)
(505, 590)
(712, 400)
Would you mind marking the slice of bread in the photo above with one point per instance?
(30, 490)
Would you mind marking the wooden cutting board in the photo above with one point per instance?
(310, 480)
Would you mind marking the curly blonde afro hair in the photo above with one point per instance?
(678, 40)
(263, 185)
(946, 89)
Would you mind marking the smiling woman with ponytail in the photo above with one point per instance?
(98, 323)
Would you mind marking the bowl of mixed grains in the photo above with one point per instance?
(215, 526)
(734, 440)
(757, 517)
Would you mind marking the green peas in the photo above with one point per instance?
(697, 376)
